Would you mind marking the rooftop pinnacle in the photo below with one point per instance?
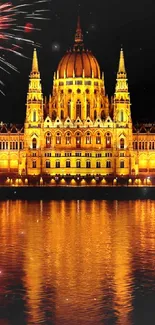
(78, 34)
(121, 68)
(35, 68)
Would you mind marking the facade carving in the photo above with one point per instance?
(77, 132)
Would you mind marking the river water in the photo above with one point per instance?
(77, 262)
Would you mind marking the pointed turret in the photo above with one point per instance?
(121, 68)
(122, 97)
(121, 83)
(78, 34)
(34, 96)
(35, 67)
(35, 61)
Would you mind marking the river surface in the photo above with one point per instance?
(77, 262)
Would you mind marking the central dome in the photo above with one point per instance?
(78, 62)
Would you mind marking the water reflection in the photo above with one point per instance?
(77, 262)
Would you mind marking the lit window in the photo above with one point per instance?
(95, 115)
(34, 116)
(122, 164)
(87, 82)
(62, 114)
(108, 164)
(34, 143)
(48, 164)
(121, 143)
(68, 138)
(69, 108)
(34, 165)
(68, 82)
(58, 138)
(78, 140)
(78, 108)
(57, 164)
(98, 164)
(88, 108)
(88, 138)
(122, 116)
(108, 140)
(78, 164)
(68, 164)
(98, 138)
(88, 164)
(78, 82)
(48, 140)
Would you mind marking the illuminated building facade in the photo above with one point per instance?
(78, 132)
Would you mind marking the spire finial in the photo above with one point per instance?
(78, 34)
(121, 68)
(35, 62)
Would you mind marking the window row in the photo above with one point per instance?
(78, 139)
(78, 110)
(78, 164)
(13, 145)
(144, 145)
(79, 154)
(78, 82)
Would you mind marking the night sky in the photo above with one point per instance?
(106, 25)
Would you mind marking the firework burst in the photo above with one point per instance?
(16, 22)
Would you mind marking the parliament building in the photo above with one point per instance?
(77, 134)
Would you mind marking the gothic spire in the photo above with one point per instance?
(121, 68)
(78, 34)
(121, 81)
(35, 68)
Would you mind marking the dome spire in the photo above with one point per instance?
(78, 34)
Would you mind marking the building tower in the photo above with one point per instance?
(34, 118)
(122, 113)
(123, 122)
(78, 87)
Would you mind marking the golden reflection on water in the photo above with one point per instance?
(75, 262)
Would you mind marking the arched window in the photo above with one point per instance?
(88, 138)
(48, 164)
(108, 164)
(78, 108)
(54, 115)
(78, 164)
(121, 116)
(108, 140)
(34, 143)
(68, 138)
(58, 138)
(69, 108)
(102, 115)
(122, 164)
(136, 146)
(34, 164)
(62, 114)
(78, 140)
(88, 108)
(121, 143)
(95, 114)
(88, 164)
(57, 164)
(34, 116)
(68, 163)
(98, 164)
(98, 138)
(48, 140)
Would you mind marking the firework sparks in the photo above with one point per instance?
(13, 30)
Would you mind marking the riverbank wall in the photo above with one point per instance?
(77, 193)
